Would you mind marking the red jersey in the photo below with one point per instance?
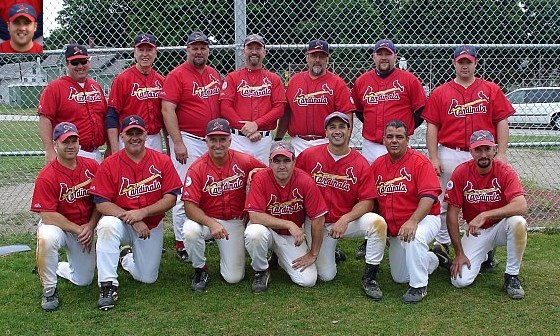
(382, 100)
(220, 192)
(132, 185)
(401, 184)
(343, 183)
(475, 193)
(133, 93)
(196, 96)
(253, 95)
(5, 6)
(66, 191)
(312, 100)
(458, 111)
(65, 100)
(6, 47)
(299, 198)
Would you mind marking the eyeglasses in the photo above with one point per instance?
(76, 62)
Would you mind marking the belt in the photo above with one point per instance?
(310, 137)
(462, 149)
(238, 132)
(196, 137)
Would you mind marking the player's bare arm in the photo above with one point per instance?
(407, 232)
(517, 207)
(283, 123)
(249, 127)
(502, 138)
(339, 228)
(432, 145)
(45, 132)
(85, 237)
(452, 221)
(113, 139)
(317, 227)
(195, 213)
(158, 208)
(57, 219)
(172, 127)
(141, 229)
(278, 223)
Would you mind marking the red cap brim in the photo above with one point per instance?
(218, 133)
(133, 126)
(469, 57)
(14, 17)
(77, 57)
(148, 43)
(284, 152)
(66, 135)
(482, 143)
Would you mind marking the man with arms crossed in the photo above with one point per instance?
(189, 101)
(132, 190)
(344, 177)
(68, 215)
(279, 199)
(214, 197)
(493, 202)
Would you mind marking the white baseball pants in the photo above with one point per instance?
(142, 263)
(371, 226)
(300, 144)
(372, 150)
(259, 149)
(259, 239)
(80, 267)
(232, 250)
(153, 142)
(412, 262)
(510, 232)
(195, 148)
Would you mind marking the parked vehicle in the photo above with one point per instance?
(536, 106)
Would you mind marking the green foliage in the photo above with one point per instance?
(334, 308)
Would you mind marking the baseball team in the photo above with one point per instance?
(232, 175)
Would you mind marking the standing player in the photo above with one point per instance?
(189, 101)
(344, 177)
(279, 200)
(312, 95)
(68, 216)
(407, 191)
(22, 24)
(492, 200)
(74, 98)
(383, 94)
(252, 100)
(454, 111)
(135, 91)
(214, 196)
(132, 190)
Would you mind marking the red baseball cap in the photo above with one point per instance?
(64, 130)
(482, 138)
(133, 121)
(218, 127)
(22, 9)
(282, 148)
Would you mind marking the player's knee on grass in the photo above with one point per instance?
(461, 282)
(191, 230)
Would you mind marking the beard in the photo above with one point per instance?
(483, 163)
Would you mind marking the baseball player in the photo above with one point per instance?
(454, 111)
(189, 101)
(492, 199)
(135, 91)
(383, 94)
(74, 98)
(68, 216)
(214, 196)
(344, 178)
(22, 24)
(407, 192)
(312, 95)
(132, 190)
(252, 100)
(5, 6)
(278, 201)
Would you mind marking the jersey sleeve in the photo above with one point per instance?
(192, 191)
(102, 184)
(171, 180)
(502, 107)
(45, 197)
(356, 95)
(343, 100)
(116, 94)
(513, 187)
(315, 205)
(431, 112)
(172, 88)
(428, 182)
(418, 96)
(454, 190)
(367, 188)
(256, 199)
(48, 102)
(228, 88)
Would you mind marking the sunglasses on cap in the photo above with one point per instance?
(76, 62)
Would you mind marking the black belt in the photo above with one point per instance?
(238, 132)
(196, 137)
(310, 137)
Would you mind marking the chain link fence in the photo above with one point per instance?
(514, 38)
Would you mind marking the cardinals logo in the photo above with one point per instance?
(71, 194)
(147, 185)
(313, 98)
(208, 90)
(143, 93)
(234, 182)
(83, 97)
(341, 182)
(77, 51)
(375, 97)
(289, 207)
(395, 185)
(476, 106)
(492, 194)
(248, 91)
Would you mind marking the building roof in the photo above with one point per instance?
(17, 70)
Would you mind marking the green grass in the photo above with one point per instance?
(169, 307)
(19, 169)
(19, 136)
(7, 109)
(534, 138)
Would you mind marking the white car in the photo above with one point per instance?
(536, 106)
